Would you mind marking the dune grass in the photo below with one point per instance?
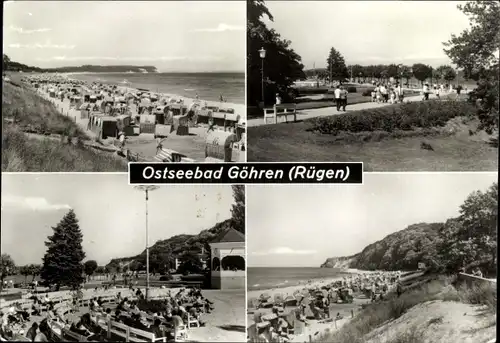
(376, 314)
(25, 111)
(29, 111)
(21, 153)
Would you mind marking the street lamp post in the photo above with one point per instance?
(262, 53)
(146, 190)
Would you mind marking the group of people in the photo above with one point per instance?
(384, 93)
(172, 313)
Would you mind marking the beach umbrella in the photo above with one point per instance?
(265, 296)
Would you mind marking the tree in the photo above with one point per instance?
(7, 267)
(357, 72)
(25, 271)
(475, 48)
(336, 67)
(475, 51)
(35, 270)
(238, 208)
(421, 72)
(190, 263)
(6, 62)
(446, 73)
(392, 71)
(471, 239)
(62, 263)
(406, 73)
(282, 65)
(101, 270)
(90, 267)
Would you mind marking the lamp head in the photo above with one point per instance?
(262, 53)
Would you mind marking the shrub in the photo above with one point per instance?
(151, 306)
(311, 90)
(368, 92)
(405, 116)
(166, 277)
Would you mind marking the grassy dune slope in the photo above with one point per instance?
(24, 110)
(425, 313)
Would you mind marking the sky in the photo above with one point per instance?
(111, 213)
(302, 226)
(368, 32)
(174, 36)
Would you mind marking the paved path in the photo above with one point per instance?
(328, 111)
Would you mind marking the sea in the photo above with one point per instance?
(208, 86)
(275, 277)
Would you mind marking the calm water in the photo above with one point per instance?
(209, 86)
(267, 278)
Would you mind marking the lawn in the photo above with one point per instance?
(380, 150)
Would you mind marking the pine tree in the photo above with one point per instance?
(335, 66)
(238, 209)
(62, 263)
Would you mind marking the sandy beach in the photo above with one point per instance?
(239, 109)
(341, 312)
(144, 145)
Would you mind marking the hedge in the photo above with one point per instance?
(405, 116)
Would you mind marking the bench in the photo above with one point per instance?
(192, 321)
(282, 110)
(131, 334)
(66, 333)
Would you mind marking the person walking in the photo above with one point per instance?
(278, 99)
(337, 93)
(343, 98)
(425, 91)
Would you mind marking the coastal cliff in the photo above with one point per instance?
(339, 262)
(402, 250)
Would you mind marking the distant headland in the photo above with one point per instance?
(9, 65)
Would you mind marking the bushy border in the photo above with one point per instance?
(405, 116)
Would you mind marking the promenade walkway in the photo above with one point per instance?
(328, 111)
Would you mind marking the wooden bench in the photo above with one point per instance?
(131, 334)
(282, 110)
(66, 333)
(192, 321)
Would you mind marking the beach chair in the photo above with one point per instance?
(192, 321)
(278, 299)
(290, 301)
(257, 317)
(308, 312)
(180, 333)
(299, 327)
(252, 303)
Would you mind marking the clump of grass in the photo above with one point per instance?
(479, 294)
(412, 335)
(23, 154)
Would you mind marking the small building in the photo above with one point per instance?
(228, 265)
